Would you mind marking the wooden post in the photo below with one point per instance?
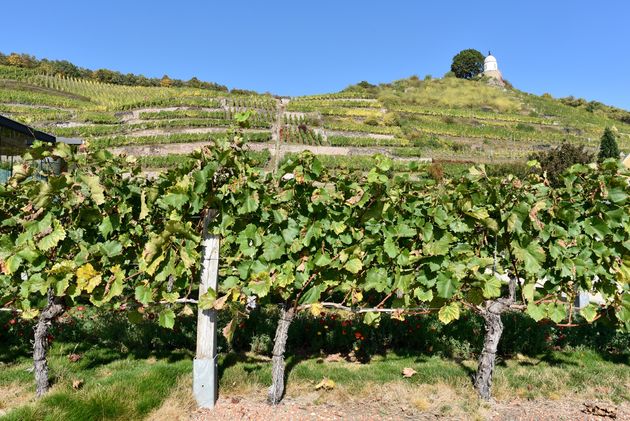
(205, 363)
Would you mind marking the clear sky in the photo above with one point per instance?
(577, 47)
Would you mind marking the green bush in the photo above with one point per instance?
(558, 159)
(261, 344)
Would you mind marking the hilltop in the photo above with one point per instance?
(449, 120)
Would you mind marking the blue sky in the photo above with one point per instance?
(579, 48)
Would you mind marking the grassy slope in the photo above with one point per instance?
(444, 119)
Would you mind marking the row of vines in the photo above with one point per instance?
(309, 240)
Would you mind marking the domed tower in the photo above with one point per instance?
(491, 70)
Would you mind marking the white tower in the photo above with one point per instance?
(491, 69)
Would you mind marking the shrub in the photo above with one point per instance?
(390, 119)
(558, 159)
(436, 172)
(525, 127)
(371, 121)
(261, 344)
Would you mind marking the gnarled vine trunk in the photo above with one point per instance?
(276, 391)
(494, 329)
(41, 343)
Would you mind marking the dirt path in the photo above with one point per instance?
(313, 407)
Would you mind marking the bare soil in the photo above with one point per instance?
(376, 408)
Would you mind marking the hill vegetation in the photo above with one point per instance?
(447, 121)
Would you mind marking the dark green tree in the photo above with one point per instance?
(608, 146)
(467, 64)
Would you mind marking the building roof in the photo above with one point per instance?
(489, 59)
(26, 130)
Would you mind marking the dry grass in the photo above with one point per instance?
(455, 93)
(178, 405)
(13, 395)
(453, 402)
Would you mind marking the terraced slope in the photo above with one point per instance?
(450, 119)
(447, 119)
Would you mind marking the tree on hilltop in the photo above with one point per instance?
(467, 64)
(608, 146)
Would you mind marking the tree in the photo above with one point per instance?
(608, 146)
(467, 64)
(555, 161)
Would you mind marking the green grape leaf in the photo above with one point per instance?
(144, 294)
(536, 312)
(446, 286)
(376, 279)
(273, 247)
(96, 189)
(589, 312)
(353, 265)
(166, 318)
(372, 318)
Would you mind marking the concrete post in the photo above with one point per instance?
(205, 363)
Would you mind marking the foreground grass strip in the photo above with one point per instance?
(117, 386)
(112, 388)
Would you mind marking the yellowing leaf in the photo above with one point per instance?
(325, 384)
(449, 312)
(144, 211)
(228, 330)
(87, 278)
(316, 309)
(219, 303)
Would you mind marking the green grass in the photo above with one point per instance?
(450, 93)
(120, 386)
(115, 386)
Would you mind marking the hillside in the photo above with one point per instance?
(448, 120)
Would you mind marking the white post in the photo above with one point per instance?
(205, 363)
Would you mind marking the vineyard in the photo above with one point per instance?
(385, 243)
(446, 121)
(366, 251)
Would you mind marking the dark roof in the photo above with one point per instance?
(24, 129)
